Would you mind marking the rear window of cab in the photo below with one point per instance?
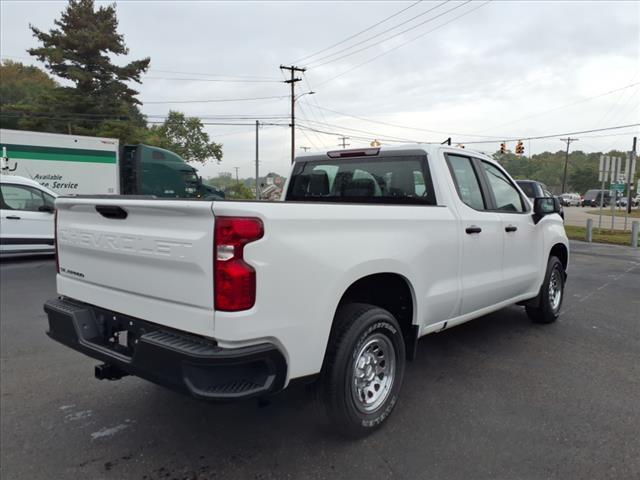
(392, 180)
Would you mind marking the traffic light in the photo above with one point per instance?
(519, 147)
(503, 148)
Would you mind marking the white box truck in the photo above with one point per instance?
(66, 164)
(80, 165)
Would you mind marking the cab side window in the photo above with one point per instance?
(466, 181)
(506, 195)
(19, 197)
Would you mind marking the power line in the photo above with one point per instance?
(303, 117)
(473, 142)
(222, 75)
(315, 63)
(403, 126)
(218, 100)
(67, 118)
(373, 134)
(357, 34)
(356, 137)
(148, 115)
(612, 108)
(566, 105)
(621, 134)
(212, 80)
(404, 43)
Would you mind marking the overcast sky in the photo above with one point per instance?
(500, 70)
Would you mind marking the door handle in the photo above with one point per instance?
(473, 229)
(12, 217)
(112, 211)
(510, 228)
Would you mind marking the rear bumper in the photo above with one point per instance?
(171, 358)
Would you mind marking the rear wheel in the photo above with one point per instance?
(363, 369)
(551, 294)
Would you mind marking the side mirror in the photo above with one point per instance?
(544, 206)
(46, 208)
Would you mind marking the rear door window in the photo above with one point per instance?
(466, 181)
(395, 180)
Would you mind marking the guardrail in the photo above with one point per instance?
(635, 230)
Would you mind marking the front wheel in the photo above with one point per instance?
(551, 294)
(363, 369)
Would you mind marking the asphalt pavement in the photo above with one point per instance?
(578, 216)
(496, 398)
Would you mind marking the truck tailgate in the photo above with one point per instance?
(151, 259)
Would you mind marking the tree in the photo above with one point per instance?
(185, 137)
(80, 50)
(238, 192)
(20, 86)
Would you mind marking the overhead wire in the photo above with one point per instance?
(357, 33)
(576, 102)
(513, 139)
(218, 100)
(392, 49)
(315, 63)
(218, 80)
(395, 125)
(373, 135)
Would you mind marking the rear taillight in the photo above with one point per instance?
(234, 279)
(55, 238)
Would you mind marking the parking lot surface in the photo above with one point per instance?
(496, 398)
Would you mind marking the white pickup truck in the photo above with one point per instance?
(370, 250)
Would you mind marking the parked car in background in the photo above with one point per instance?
(571, 199)
(534, 189)
(593, 197)
(26, 216)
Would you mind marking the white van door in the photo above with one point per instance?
(26, 219)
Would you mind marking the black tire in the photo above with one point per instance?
(548, 308)
(359, 327)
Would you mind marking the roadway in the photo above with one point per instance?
(497, 398)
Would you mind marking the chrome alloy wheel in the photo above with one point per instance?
(555, 289)
(373, 374)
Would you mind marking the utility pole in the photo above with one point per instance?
(630, 174)
(237, 168)
(293, 69)
(305, 148)
(566, 161)
(344, 144)
(257, 188)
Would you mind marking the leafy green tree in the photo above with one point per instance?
(80, 50)
(20, 86)
(239, 192)
(186, 137)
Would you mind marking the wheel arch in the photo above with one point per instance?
(561, 251)
(392, 292)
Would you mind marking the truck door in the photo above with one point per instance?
(523, 242)
(482, 239)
